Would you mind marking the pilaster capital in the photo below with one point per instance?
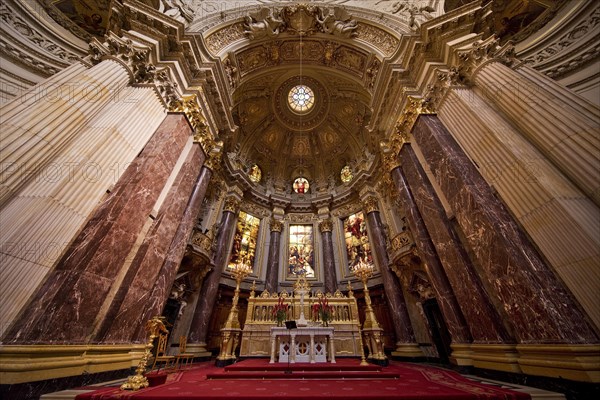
(370, 204)
(276, 226)
(480, 53)
(136, 60)
(326, 225)
(413, 107)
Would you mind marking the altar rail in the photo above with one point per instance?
(260, 318)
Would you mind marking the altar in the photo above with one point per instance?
(312, 344)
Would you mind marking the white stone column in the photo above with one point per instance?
(557, 215)
(43, 217)
(550, 118)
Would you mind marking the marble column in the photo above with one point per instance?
(459, 291)
(272, 278)
(330, 280)
(208, 293)
(144, 291)
(563, 127)
(66, 306)
(405, 338)
(531, 294)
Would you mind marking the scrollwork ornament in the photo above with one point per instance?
(276, 226)
(326, 225)
(370, 204)
(231, 204)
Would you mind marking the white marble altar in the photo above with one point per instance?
(308, 344)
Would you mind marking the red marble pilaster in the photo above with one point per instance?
(459, 291)
(272, 275)
(395, 298)
(137, 293)
(538, 306)
(208, 292)
(67, 304)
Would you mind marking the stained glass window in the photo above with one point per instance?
(357, 240)
(346, 174)
(301, 251)
(301, 98)
(244, 241)
(255, 173)
(301, 185)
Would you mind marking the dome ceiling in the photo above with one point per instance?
(287, 144)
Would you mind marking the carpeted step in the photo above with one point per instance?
(315, 374)
(344, 365)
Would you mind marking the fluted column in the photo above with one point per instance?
(272, 279)
(208, 293)
(405, 338)
(37, 127)
(330, 280)
(528, 289)
(67, 305)
(563, 131)
(558, 216)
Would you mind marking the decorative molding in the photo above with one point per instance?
(223, 37)
(482, 52)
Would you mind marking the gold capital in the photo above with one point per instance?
(370, 204)
(231, 204)
(276, 226)
(326, 225)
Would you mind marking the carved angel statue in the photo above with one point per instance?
(177, 9)
(338, 23)
(262, 24)
(413, 10)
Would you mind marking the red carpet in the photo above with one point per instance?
(413, 382)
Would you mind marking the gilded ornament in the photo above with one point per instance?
(370, 204)
(326, 225)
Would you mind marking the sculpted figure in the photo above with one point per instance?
(262, 24)
(339, 23)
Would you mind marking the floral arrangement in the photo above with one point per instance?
(280, 311)
(322, 311)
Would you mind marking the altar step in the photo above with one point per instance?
(262, 369)
(303, 374)
(341, 365)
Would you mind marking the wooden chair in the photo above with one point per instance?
(161, 354)
(184, 357)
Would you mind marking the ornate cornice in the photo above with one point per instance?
(370, 204)
(276, 226)
(326, 225)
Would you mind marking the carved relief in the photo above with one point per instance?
(337, 22)
(379, 38)
(482, 52)
(224, 37)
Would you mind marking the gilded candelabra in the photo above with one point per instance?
(371, 328)
(155, 326)
(230, 333)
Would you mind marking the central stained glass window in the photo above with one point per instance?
(301, 98)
